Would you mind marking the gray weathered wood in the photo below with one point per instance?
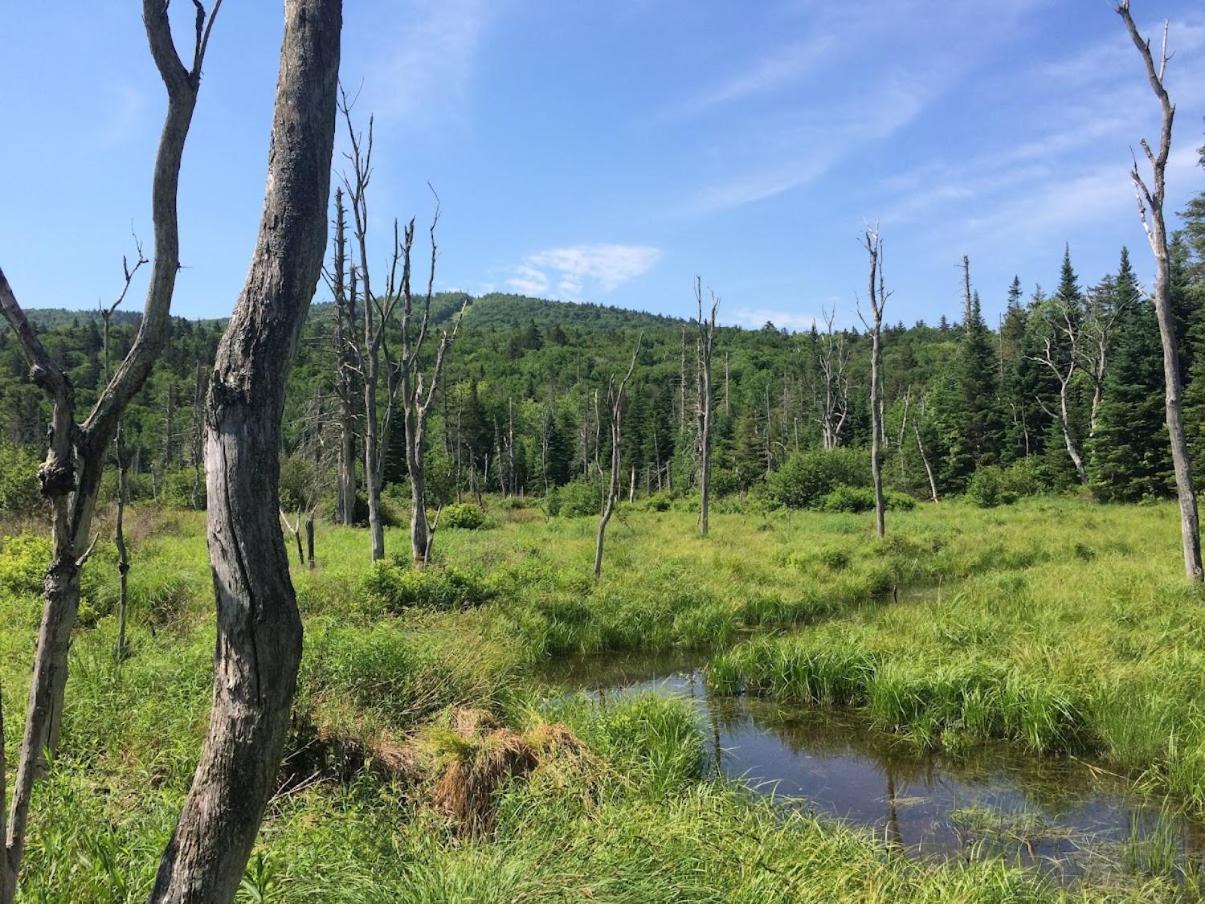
(259, 629)
(1150, 211)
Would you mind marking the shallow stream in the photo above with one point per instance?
(1065, 816)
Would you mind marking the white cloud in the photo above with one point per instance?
(778, 67)
(422, 68)
(577, 268)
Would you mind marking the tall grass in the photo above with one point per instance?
(1060, 626)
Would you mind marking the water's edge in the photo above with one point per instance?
(1060, 815)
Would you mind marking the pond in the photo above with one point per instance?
(1069, 818)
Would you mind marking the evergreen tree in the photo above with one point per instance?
(974, 431)
(1129, 457)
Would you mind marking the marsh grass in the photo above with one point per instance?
(1021, 634)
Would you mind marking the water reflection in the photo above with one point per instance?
(1059, 814)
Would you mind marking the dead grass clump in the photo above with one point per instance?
(472, 760)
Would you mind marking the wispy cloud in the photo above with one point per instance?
(1068, 163)
(422, 66)
(780, 67)
(574, 270)
(867, 78)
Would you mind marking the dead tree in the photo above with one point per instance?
(197, 445)
(372, 359)
(1060, 354)
(615, 394)
(1096, 338)
(345, 357)
(123, 492)
(258, 627)
(877, 294)
(705, 344)
(418, 389)
(1150, 210)
(832, 359)
(405, 381)
(70, 477)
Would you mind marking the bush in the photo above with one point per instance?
(463, 516)
(176, 488)
(19, 490)
(580, 497)
(397, 588)
(23, 561)
(807, 477)
(658, 502)
(861, 499)
(988, 488)
(1025, 478)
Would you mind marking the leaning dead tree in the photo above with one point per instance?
(704, 345)
(71, 474)
(259, 629)
(1150, 211)
(877, 294)
(615, 400)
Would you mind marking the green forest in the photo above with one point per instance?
(519, 412)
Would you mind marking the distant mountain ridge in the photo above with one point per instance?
(492, 311)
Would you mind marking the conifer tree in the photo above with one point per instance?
(1129, 455)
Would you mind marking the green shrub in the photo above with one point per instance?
(396, 588)
(19, 490)
(176, 488)
(861, 499)
(574, 499)
(658, 502)
(23, 561)
(988, 488)
(463, 516)
(806, 477)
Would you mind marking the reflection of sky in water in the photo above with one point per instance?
(835, 764)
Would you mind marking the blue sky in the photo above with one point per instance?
(609, 151)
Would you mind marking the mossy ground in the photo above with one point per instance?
(1056, 624)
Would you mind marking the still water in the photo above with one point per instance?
(1064, 816)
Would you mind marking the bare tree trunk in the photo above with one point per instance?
(71, 475)
(119, 538)
(925, 461)
(259, 629)
(8, 870)
(198, 432)
(1150, 208)
(615, 398)
(309, 538)
(345, 323)
(873, 243)
(705, 345)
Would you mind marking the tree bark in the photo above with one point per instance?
(71, 474)
(873, 243)
(259, 630)
(1150, 209)
(615, 396)
(706, 342)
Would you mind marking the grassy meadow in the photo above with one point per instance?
(430, 763)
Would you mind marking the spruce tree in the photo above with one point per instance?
(1129, 457)
(974, 433)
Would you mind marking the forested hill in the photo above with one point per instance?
(522, 404)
